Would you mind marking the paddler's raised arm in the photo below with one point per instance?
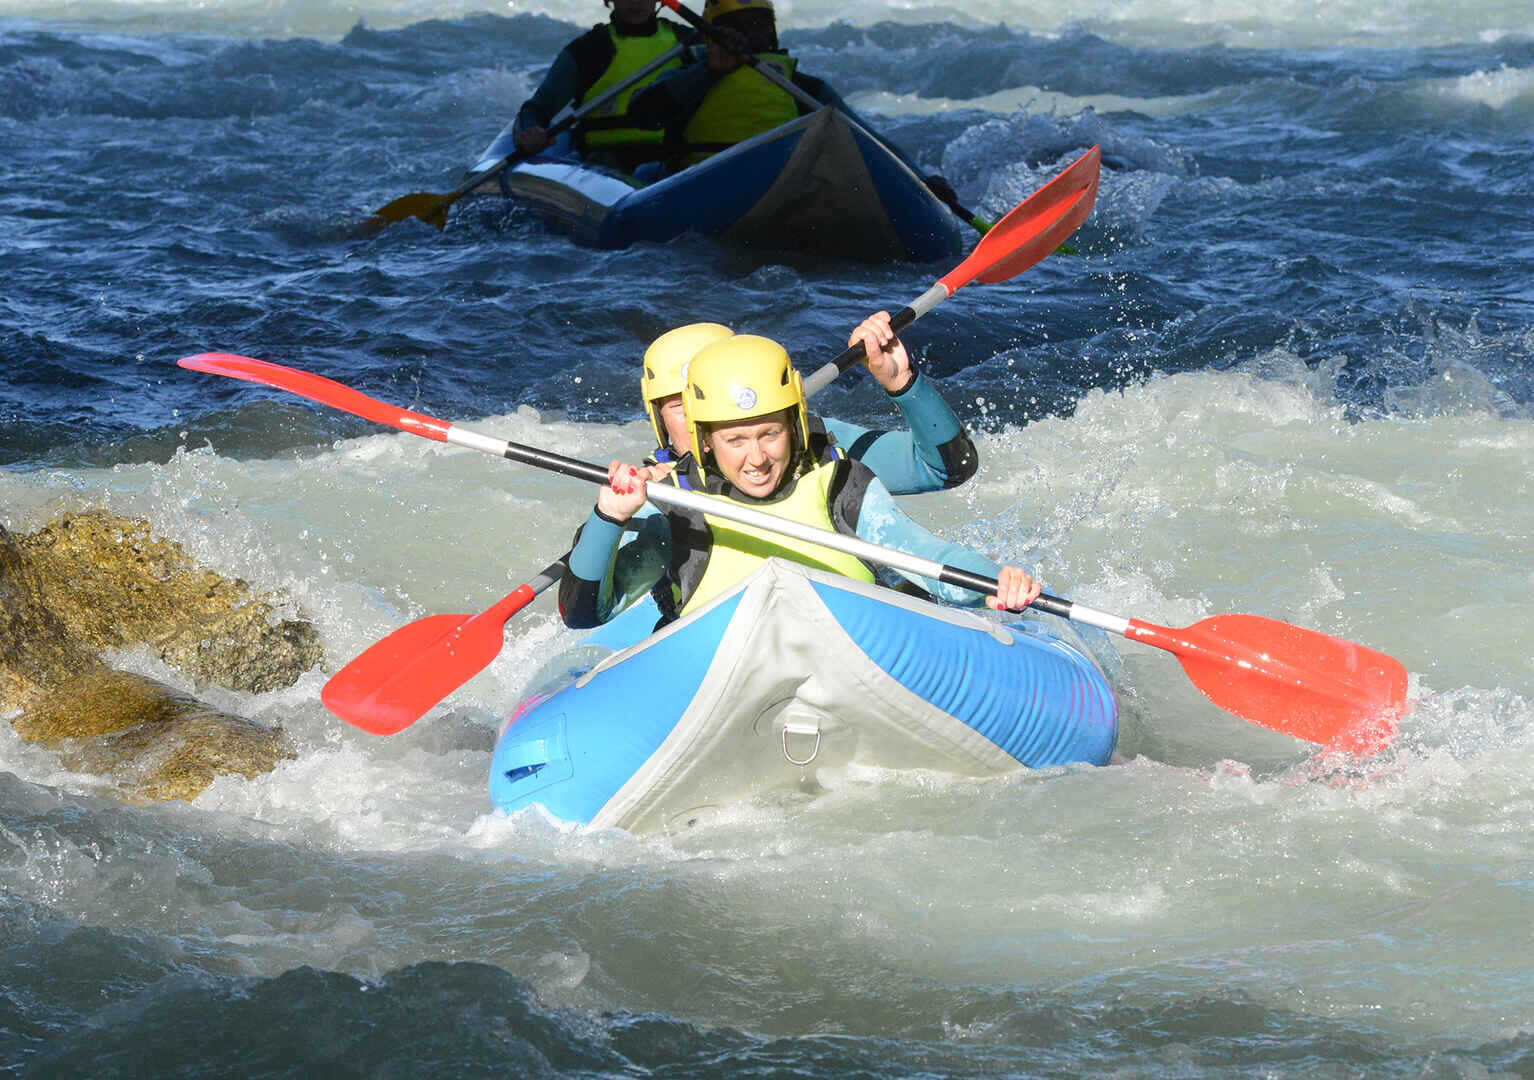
(936, 452)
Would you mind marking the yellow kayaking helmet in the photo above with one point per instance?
(712, 9)
(665, 367)
(738, 378)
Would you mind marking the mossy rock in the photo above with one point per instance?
(113, 584)
(92, 581)
(152, 741)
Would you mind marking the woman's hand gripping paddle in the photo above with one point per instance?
(395, 681)
(1292, 680)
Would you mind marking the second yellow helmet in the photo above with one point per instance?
(665, 366)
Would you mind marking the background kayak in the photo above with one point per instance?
(820, 185)
(1289, 374)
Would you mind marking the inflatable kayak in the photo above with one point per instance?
(791, 671)
(820, 184)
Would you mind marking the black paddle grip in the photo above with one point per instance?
(1050, 605)
(855, 353)
(566, 466)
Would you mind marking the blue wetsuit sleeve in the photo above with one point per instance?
(881, 522)
(648, 510)
(943, 450)
(592, 556)
(611, 566)
(936, 452)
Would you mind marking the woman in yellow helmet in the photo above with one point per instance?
(933, 453)
(747, 419)
(663, 375)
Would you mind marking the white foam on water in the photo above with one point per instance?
(1203, 859)
(1507, 89)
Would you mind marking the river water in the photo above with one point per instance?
(1288, 373)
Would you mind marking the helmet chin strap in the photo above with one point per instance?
(799, 449)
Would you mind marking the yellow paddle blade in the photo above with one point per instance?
(430, 208)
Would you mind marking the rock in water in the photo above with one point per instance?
(151, 741)
(93, 581)
(36, 648)
(114, 584)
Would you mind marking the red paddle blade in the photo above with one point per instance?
(316, 388)
(1034, 227)
(398, 679)
(1302, 683)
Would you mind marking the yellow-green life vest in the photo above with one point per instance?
(605, 127)
(737, 549)
(742, 104)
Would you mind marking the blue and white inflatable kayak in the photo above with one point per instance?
(821, 184)
(791, 671)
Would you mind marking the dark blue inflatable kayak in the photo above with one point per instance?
(821, 184)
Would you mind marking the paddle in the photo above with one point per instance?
(397, 679)
(1295, 681)
(393, 683)
(1031, 230)
(950, 198)
(432, 209)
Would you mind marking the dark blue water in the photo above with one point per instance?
(168, 194)
(1366, 212)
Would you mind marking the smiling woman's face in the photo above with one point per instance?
(752, 454)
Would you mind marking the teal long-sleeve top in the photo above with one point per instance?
(606, 575)
(935, 452)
